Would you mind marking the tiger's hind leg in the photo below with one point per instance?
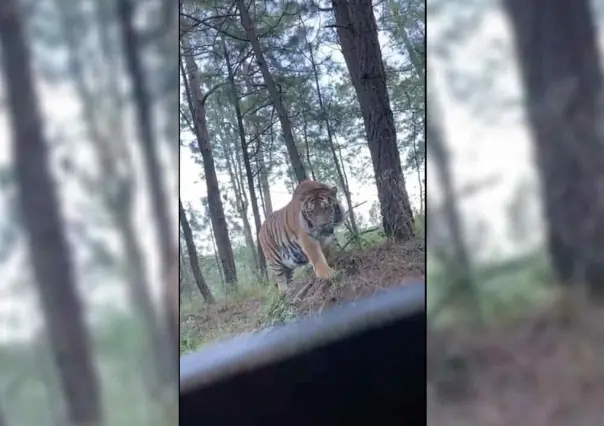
(283, 276)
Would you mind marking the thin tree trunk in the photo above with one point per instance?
(259, 172)
(290, 143)
(310, 167)
(266, 188)
(246, 157)
(332, 149)
(263, 171)
(241, 201)
(357, 31)
(193, 259)
(49, 251)
(460, 262)
(217, 217)
(347, 193)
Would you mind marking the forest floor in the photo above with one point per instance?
(372, 265)
(544, 369)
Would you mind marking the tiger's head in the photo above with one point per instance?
(320, 210)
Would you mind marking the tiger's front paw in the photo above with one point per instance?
(325, 272)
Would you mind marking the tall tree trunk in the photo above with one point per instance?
(193, 259)
(49, 251)
(357, 31)
(560, 67)
(246, 156)
(146, 133)
(290, 143)
(196, 104)
(332, 149)
(263, 170)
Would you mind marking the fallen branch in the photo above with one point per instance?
(357, 236)
(354, 207)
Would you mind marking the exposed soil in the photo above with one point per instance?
(544, 370)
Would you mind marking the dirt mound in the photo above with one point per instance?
(548, 370)
(361, 273)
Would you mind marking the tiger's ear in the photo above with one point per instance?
(334, 190)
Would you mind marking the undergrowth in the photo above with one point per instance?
(258, 305)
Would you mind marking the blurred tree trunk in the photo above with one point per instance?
(115, 166)
(286, 127)
(168, 240)
(49, 251)
(146, 133)
(358, 35)
(196, 103)
(194, 260)
(560, 67)
(457, 260)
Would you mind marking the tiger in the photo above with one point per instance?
(297, 234)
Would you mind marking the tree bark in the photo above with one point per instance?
(357, 32)
(49, 251)
(286, 128)
(219, 224)
(193, 259)
(560, 68)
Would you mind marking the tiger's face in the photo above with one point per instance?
(322, 212)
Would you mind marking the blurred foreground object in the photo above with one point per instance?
(364, 359)
(560, 68)
(49, 252)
